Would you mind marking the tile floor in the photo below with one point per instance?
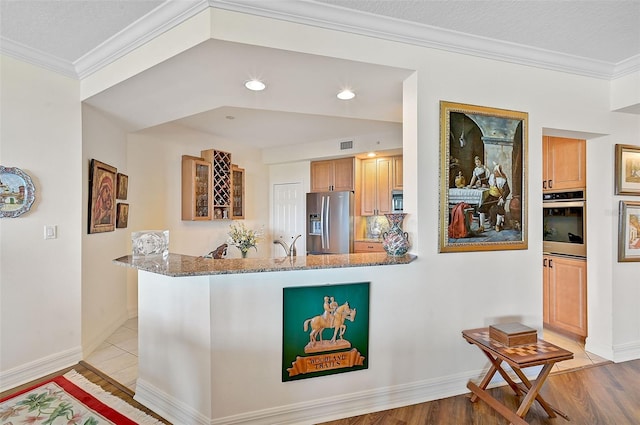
(118, 355)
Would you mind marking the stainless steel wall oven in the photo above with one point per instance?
(564, 223)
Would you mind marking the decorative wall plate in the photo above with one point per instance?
(17, 192)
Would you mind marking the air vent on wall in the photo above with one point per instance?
(346, 145)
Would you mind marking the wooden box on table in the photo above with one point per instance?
(512, 334)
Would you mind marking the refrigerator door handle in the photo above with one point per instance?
(327, 229)
(322, 223)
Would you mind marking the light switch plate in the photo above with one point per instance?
(50, 232)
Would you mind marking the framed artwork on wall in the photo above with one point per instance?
(627, 170)
(322, 334)
(102, 197)
(123, 184)
(483, 178)
(629, 231)
(122, 215)
(17, 192)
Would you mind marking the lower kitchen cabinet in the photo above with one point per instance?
(565, 294)
(363, 246)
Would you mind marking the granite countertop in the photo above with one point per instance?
(178, 265)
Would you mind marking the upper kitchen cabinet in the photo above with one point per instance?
(333, 175)
(221, 182)
(196, 184)
(237, 179)
(397, 172)
(564, 164)
(377, 176)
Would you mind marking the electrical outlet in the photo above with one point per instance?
(50, 232)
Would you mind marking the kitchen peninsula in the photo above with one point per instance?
(203, 323)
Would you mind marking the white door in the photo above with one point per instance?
(288, 217)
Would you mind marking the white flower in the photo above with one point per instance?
(243, 238)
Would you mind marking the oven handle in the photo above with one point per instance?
(563, 204)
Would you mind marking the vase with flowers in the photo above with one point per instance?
(243, 238)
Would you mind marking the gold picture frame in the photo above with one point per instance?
(122, 215)
(627, 170)
(629, 231)
(483, 178)
(102, 197)
(123, 185)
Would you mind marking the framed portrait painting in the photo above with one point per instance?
(123, 184)
(627, 170)
(122, 215)
(483, 178)
(629, 231)
(102, 197)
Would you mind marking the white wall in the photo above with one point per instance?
(155, 157)
(104, 285)
(40, 279)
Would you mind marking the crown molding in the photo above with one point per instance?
(308, 12)
(37, 58)
(150, 26)
(627, 66)
(363, 23)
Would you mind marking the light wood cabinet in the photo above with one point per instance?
(565, 294)
(397, 172)
(237, 179)
(564, 164)
(362, 246)
(220, 182)
(375, 196)
(196, 188)
(333, 175)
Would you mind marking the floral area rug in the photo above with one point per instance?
(69, 399)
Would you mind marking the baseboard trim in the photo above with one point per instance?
(38, 368)
(311, 412)
(626, 352)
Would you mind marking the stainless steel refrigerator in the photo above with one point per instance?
(330, 223)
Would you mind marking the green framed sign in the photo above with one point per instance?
(325, 330)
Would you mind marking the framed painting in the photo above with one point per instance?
(17, 192)
(325, 330)
(123, 184)
(483, 178)
(627, 170)
(102, 197)
(629, 231)
(122, 215)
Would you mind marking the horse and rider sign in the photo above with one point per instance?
(325, 330)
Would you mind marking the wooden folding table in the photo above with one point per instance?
(518, 357)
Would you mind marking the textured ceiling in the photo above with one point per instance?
(601, 30)
(607, 30)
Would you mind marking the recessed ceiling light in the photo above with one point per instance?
(371, 154)
(255, 85)
(346, 94)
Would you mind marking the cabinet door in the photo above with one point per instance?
(568, 294)
(565, 163)
(383, 185)
(397, 172)
(545, 289)
(237, 179)
(196, 184)
(375, 194)
(343, 174)
(368, 203)
(321, 176)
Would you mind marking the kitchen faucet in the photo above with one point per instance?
(290, 250)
